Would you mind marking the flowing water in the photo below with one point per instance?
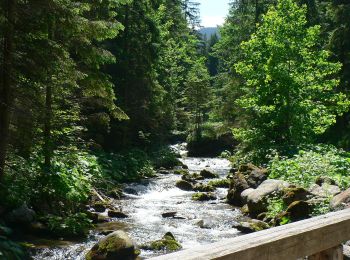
(197, 223)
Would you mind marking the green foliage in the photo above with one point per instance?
(165, 157)
(70, 226)
(304, 167)
(66, 187)
(275, 206)
(9, 250)
(125, 167)
(289, 93)
(321, 207)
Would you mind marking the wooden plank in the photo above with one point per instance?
(334, 253)
(288, 242)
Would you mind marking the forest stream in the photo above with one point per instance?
(196, 223)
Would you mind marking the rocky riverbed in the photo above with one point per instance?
(194, 216)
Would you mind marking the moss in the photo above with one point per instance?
(181, 172)
(204, 188)
(223, 183)
(167, 243)
(203, 196)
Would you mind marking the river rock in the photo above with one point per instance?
(299, 210)
(181, 172)
(208, 174)
(251, 226)
(255, 175)
(163, 171)
(203, 187)
(292, 194)
(326, 190)
(257, 198)
(21, 216)
(116, 245)
(237, 186)
(99, 207)
(168, 243)
(199, 196)
(325, 180)
(184, 185)
(115, 193)
(169, 214)
(117, 214)
(341, 200)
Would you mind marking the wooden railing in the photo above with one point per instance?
(318, 238)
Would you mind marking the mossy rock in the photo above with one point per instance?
(222, 183)
(299, 210)
(200, 196)
(203, 188)
(251, 226)
(116, 245)
(115, 193)
(292, 194)
(168, 243)
(181, 172)
(99, 206)
(184, 185)
(208, 174)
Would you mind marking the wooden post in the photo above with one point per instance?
(334, 253)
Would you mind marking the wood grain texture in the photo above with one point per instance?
(288, 242)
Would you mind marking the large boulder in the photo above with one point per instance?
(257, 198)
(292, 194)
(116, 245)
(255, 175)
(326, 190)
(341, 200)
(21, 216)
(184, 185)
(237, 186)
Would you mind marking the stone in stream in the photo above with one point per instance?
(117, 214)
(116, 245)
(203, 187)
(169, 214)
(205, 173)
(251, 226)
(99, 206)
(184, 185)
(199, 196)
(237, 186)
(168, 243)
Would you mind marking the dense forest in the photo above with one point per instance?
(92, 93)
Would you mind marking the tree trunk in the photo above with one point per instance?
(7, 82)
(48, 107)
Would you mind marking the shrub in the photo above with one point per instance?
(165, 157)
(304, 167)
(71, 226)
(127, 166)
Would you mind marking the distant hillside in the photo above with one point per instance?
(208, 31)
